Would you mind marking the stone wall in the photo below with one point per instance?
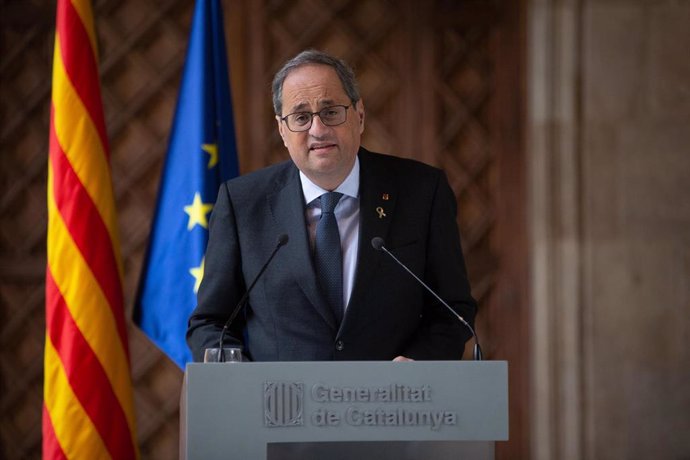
(636, 228)
(610, 156)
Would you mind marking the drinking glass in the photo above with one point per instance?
(229, 355)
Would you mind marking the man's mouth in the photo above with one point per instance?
(317, 147)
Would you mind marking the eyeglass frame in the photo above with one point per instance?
(313, 114)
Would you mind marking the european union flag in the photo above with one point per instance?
(201, 155)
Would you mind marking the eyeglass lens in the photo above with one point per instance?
(330, 116)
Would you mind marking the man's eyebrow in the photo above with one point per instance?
(299, 107)
(303, 106)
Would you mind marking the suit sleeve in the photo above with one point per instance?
(222, 284)
(440, 334)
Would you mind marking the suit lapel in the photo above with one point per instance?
(287, 206)
(378, 196)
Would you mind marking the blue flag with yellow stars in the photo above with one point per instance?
(201, 155)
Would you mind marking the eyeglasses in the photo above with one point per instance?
(330, 116)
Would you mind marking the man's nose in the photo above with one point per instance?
(317, 127)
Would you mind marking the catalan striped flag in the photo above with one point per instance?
(201, 155)
(88, 409)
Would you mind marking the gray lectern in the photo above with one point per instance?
(344, 410)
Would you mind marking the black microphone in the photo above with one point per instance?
(282, 241)
(378, 244)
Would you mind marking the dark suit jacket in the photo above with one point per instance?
(287, 318)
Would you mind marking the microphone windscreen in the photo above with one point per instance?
(283, 239)
(377, 242)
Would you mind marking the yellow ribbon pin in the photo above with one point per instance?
(381, 212)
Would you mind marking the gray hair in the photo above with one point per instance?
(345, 73)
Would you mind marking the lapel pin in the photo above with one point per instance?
(385, 197)
(381, 212)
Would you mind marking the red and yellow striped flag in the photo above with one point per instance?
(88, 408)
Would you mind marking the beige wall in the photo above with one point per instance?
(610, 162)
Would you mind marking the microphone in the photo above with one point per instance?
(282, 241)
(379, 244)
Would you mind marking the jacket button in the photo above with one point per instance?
(339, 345)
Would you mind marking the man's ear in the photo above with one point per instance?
(281, 129)
(361, 115)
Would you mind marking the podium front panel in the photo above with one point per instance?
(238, 410)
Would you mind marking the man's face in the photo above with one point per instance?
(325, 154)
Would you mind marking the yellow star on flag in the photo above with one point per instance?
(212, 150)
(198, 274)
(197, 212)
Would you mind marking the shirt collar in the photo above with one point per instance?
(349, 187)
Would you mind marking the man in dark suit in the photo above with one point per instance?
(328, 294)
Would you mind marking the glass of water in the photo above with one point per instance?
(228, 355)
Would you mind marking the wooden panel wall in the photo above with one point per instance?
(441, 82)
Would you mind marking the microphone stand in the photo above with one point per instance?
(378, 244)
(282, 241)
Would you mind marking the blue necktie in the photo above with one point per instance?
(328, 255)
